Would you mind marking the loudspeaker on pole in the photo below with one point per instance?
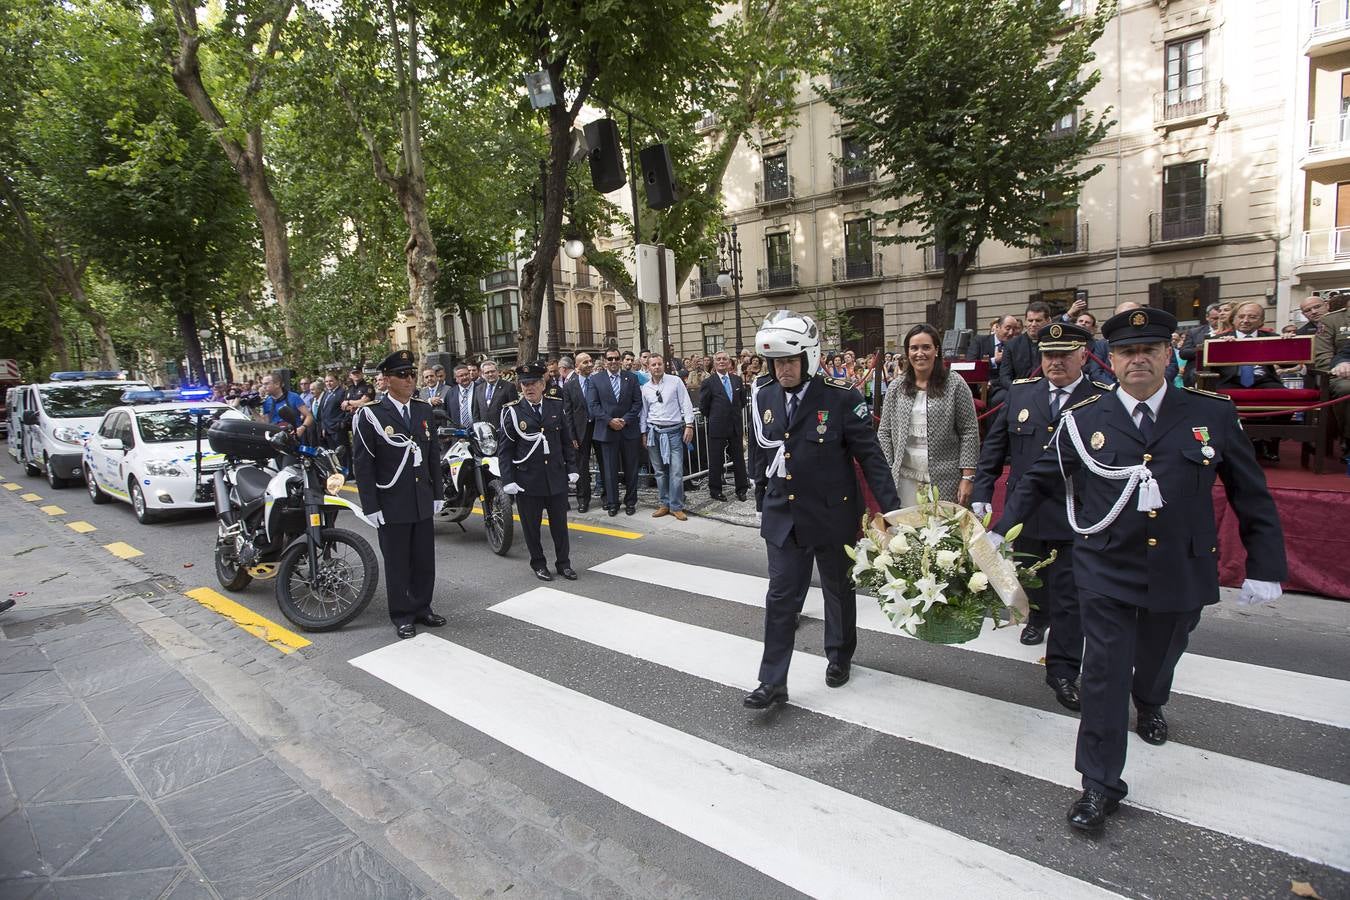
(606, 155)
(658, 176)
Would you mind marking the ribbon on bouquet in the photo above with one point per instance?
(1001, 572)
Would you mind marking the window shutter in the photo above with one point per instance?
(1155, 295)
(1209, 292)
(930, 316)
(973, 316)
(1035, 295)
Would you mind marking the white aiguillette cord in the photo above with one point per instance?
(534, 440)
(403, 441)
(1150, 497)
(778, 465)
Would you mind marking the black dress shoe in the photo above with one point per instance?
(431, 620)
(1151, 726)
(719, 497)
(740, 495)
(568, 572)
(1032, 634)
(407, 631)
(836, 675)
(583, 505)
(630, 510)
(766, 695)
(612, 510)
(1066, 691)
(1089, 811)
(542, 574)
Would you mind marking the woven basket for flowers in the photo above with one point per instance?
(943, 627)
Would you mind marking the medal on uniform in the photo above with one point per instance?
(768, 416)
(389, 430)
(1024, 415)
(1098, 440)
(1201, 434)
(822, 417)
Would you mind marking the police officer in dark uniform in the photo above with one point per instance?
(538, 464)
(1145, 570)
(399, 479)
(811, 430)
(1019, 436)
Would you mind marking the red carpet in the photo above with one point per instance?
(1314, 512)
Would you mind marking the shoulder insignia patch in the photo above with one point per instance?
(1105, 387)
(837, 382)
(512, 403)
(1204, 393)
(861, 410)
(420, 400)
(1081, 403)
(1027, 380)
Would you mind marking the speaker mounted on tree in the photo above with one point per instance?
(658, 176)
(606, 155)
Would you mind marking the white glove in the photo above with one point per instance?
(437, 506)
(573, 477)
(995, 540)
(1259, 593)
(511, 489)
(981, 509)
(376, 518)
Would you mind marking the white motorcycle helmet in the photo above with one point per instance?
(786, 334)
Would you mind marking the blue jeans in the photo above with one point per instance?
(665, 450)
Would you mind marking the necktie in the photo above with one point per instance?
(1056, 401)
(1145, 420)
(791, 407)
(726, 386)
(407, 419)
(1247, 375)
(538, 409)
(464, 406)
(614, 384)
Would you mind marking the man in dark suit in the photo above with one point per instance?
(329, 417)
(459, 398)
(398, 476)
(615, 399)
(1195, 339)
(721, 398)
(1313, 307)
(812, 429)
(1145, 571)
(1018, 435)
(990, 346)
(538, 463)
(578, 410)
(490, 396)
(1021, 355)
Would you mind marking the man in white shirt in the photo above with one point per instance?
(667, 424)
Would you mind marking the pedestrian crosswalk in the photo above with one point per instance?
(829, 839)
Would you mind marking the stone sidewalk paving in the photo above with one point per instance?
(118, 778)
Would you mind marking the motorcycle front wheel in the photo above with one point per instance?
(338, 592)
(498, 518)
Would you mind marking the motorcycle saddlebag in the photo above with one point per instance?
(242, 439)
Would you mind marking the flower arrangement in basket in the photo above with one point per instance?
(936, 576)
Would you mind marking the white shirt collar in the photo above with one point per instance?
(1068, 388)
(400, 407)
(1154, 402)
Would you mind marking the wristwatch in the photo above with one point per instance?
(967, 477)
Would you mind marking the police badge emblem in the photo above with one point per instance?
(1056, 332)
(1024, 415)
(1138, 320)
(389, 430)
(768, 417)
(1098, 440)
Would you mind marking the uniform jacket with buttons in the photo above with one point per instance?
(539, 475)
(1018, 436)
(374, 461)
(819, 496)
(1165, 560)
(1331, 347)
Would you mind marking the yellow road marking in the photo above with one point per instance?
(577, 526)
(122, 550)
(30, 497)
(11, 486)
(81, 527)
(283, 639)
(53, 510)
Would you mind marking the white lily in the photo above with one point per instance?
(884, 560)
(930, 591)
(932, 535)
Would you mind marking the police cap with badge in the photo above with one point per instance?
(1062, 338)
(1144, 325)
(400, 362)
(530, 372)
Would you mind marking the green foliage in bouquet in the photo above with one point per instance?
(924, 573)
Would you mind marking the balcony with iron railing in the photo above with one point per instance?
(851, 176)
(707, 122)
(708, 289)
(778, 190)
(1069, 242)
(779, 278)
(852, 269)
(1189, 103)
(1328, 27)
(1188, 224)
(1323, 250)
(1328, 142)
(501, 278)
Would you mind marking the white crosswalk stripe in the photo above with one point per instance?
(1312, 698)
(824, 841)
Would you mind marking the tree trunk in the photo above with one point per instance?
(187, 330)
(276, 239)
(70, 278)
(954, 267)
(468, 332)
(550, 232)
(226, 370)
(58, 333)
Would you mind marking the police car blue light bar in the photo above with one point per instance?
(194, 393)
(144, 395)
(86, 376)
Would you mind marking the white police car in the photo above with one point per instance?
(144, 453)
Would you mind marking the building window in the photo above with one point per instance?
(1185, 298)
(858, 248)
(778, 253)
(707, 278)
(583, 274)
(1184, 87)
(1065, 124)
(1061, 227)
(611, 326)
(776, 185)
(853, 168)
(586, 324)
(1183, 214)
(712, 339)
(501, 319)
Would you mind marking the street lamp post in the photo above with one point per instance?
(729, 274)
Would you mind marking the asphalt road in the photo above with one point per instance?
(947, 751)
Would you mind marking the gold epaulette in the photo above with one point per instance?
(1203, 393)
(1027, 380)
(1081, 403)
(1105, 387)
(419, 400)
(837, 382)
(512, 403)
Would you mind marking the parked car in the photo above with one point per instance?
(49, 421)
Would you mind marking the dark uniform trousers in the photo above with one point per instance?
(542, 477)
(532, 511)
(1055, 605)
(1115, 630)
(813, 510)
(409, 552)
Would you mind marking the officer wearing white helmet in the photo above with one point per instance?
(810, 430)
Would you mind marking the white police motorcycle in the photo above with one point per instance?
(469, 472)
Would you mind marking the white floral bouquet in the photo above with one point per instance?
(936, 576)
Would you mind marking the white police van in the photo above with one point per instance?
(49, 421)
